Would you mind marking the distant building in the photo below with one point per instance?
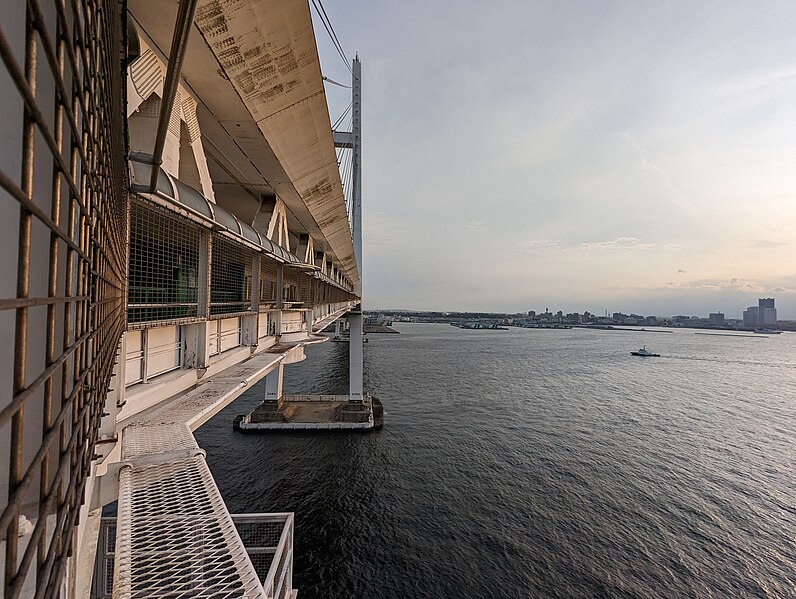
(716, 319)
(766, 312)
(531, 313)
(750, 316)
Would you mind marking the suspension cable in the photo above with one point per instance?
(327, 24)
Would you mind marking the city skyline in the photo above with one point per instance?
(607, 312)
(634, 155)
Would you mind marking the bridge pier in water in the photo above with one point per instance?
(353, 411)
(357, 409)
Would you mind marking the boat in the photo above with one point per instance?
(644, 353)
(767, 332)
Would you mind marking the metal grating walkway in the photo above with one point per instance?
(175, 537)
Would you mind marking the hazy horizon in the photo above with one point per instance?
(633, 156)
(564, 309)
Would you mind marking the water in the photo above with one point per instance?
(536, 463)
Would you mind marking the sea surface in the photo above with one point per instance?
(536, 463)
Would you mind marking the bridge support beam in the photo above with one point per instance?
(355, 357)
(273, 388)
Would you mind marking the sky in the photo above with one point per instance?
(630, 156)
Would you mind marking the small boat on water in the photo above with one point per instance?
(644, 353)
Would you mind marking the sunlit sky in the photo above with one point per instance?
(632, 156)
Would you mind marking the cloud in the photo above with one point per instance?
(536, 246)
(617, 244)
(733, 284)
(620, 243)
(652, 168)
(765, 244)
(637, 139)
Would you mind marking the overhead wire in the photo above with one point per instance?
(348, 174)
(333, 82)
(342, 116)
(327, 24)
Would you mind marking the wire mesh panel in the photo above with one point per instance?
(175, 537)
(290, 285)
(102, 585)
(305, 286)
(63, 202)
(230, 277)
(164, 265)
(268, 539)
(268, 268)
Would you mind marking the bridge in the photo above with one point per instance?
(176, 230)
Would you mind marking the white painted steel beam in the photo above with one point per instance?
(343, 139)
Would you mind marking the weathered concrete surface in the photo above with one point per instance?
(311, 412)
(267, 50)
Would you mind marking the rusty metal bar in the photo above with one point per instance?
(58, 400)
(179, 43)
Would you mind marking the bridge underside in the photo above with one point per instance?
(224, 230)
(253, 67)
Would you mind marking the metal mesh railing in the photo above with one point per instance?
(102, 585)
(230, 277)
(307, 286)
(175, 537)
(64, 203)
(164, 265)
(268, 539)
(268, 283)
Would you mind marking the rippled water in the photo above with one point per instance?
(537, 463)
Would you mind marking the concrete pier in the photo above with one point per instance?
(313, 412)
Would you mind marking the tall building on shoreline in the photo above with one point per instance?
(766, 312)
(763, 314)
(750, 316)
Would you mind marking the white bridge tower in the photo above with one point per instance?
(353, 141)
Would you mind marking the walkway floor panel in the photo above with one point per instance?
(175, 536)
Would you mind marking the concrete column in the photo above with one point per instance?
(273, 388)
(355, 357)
